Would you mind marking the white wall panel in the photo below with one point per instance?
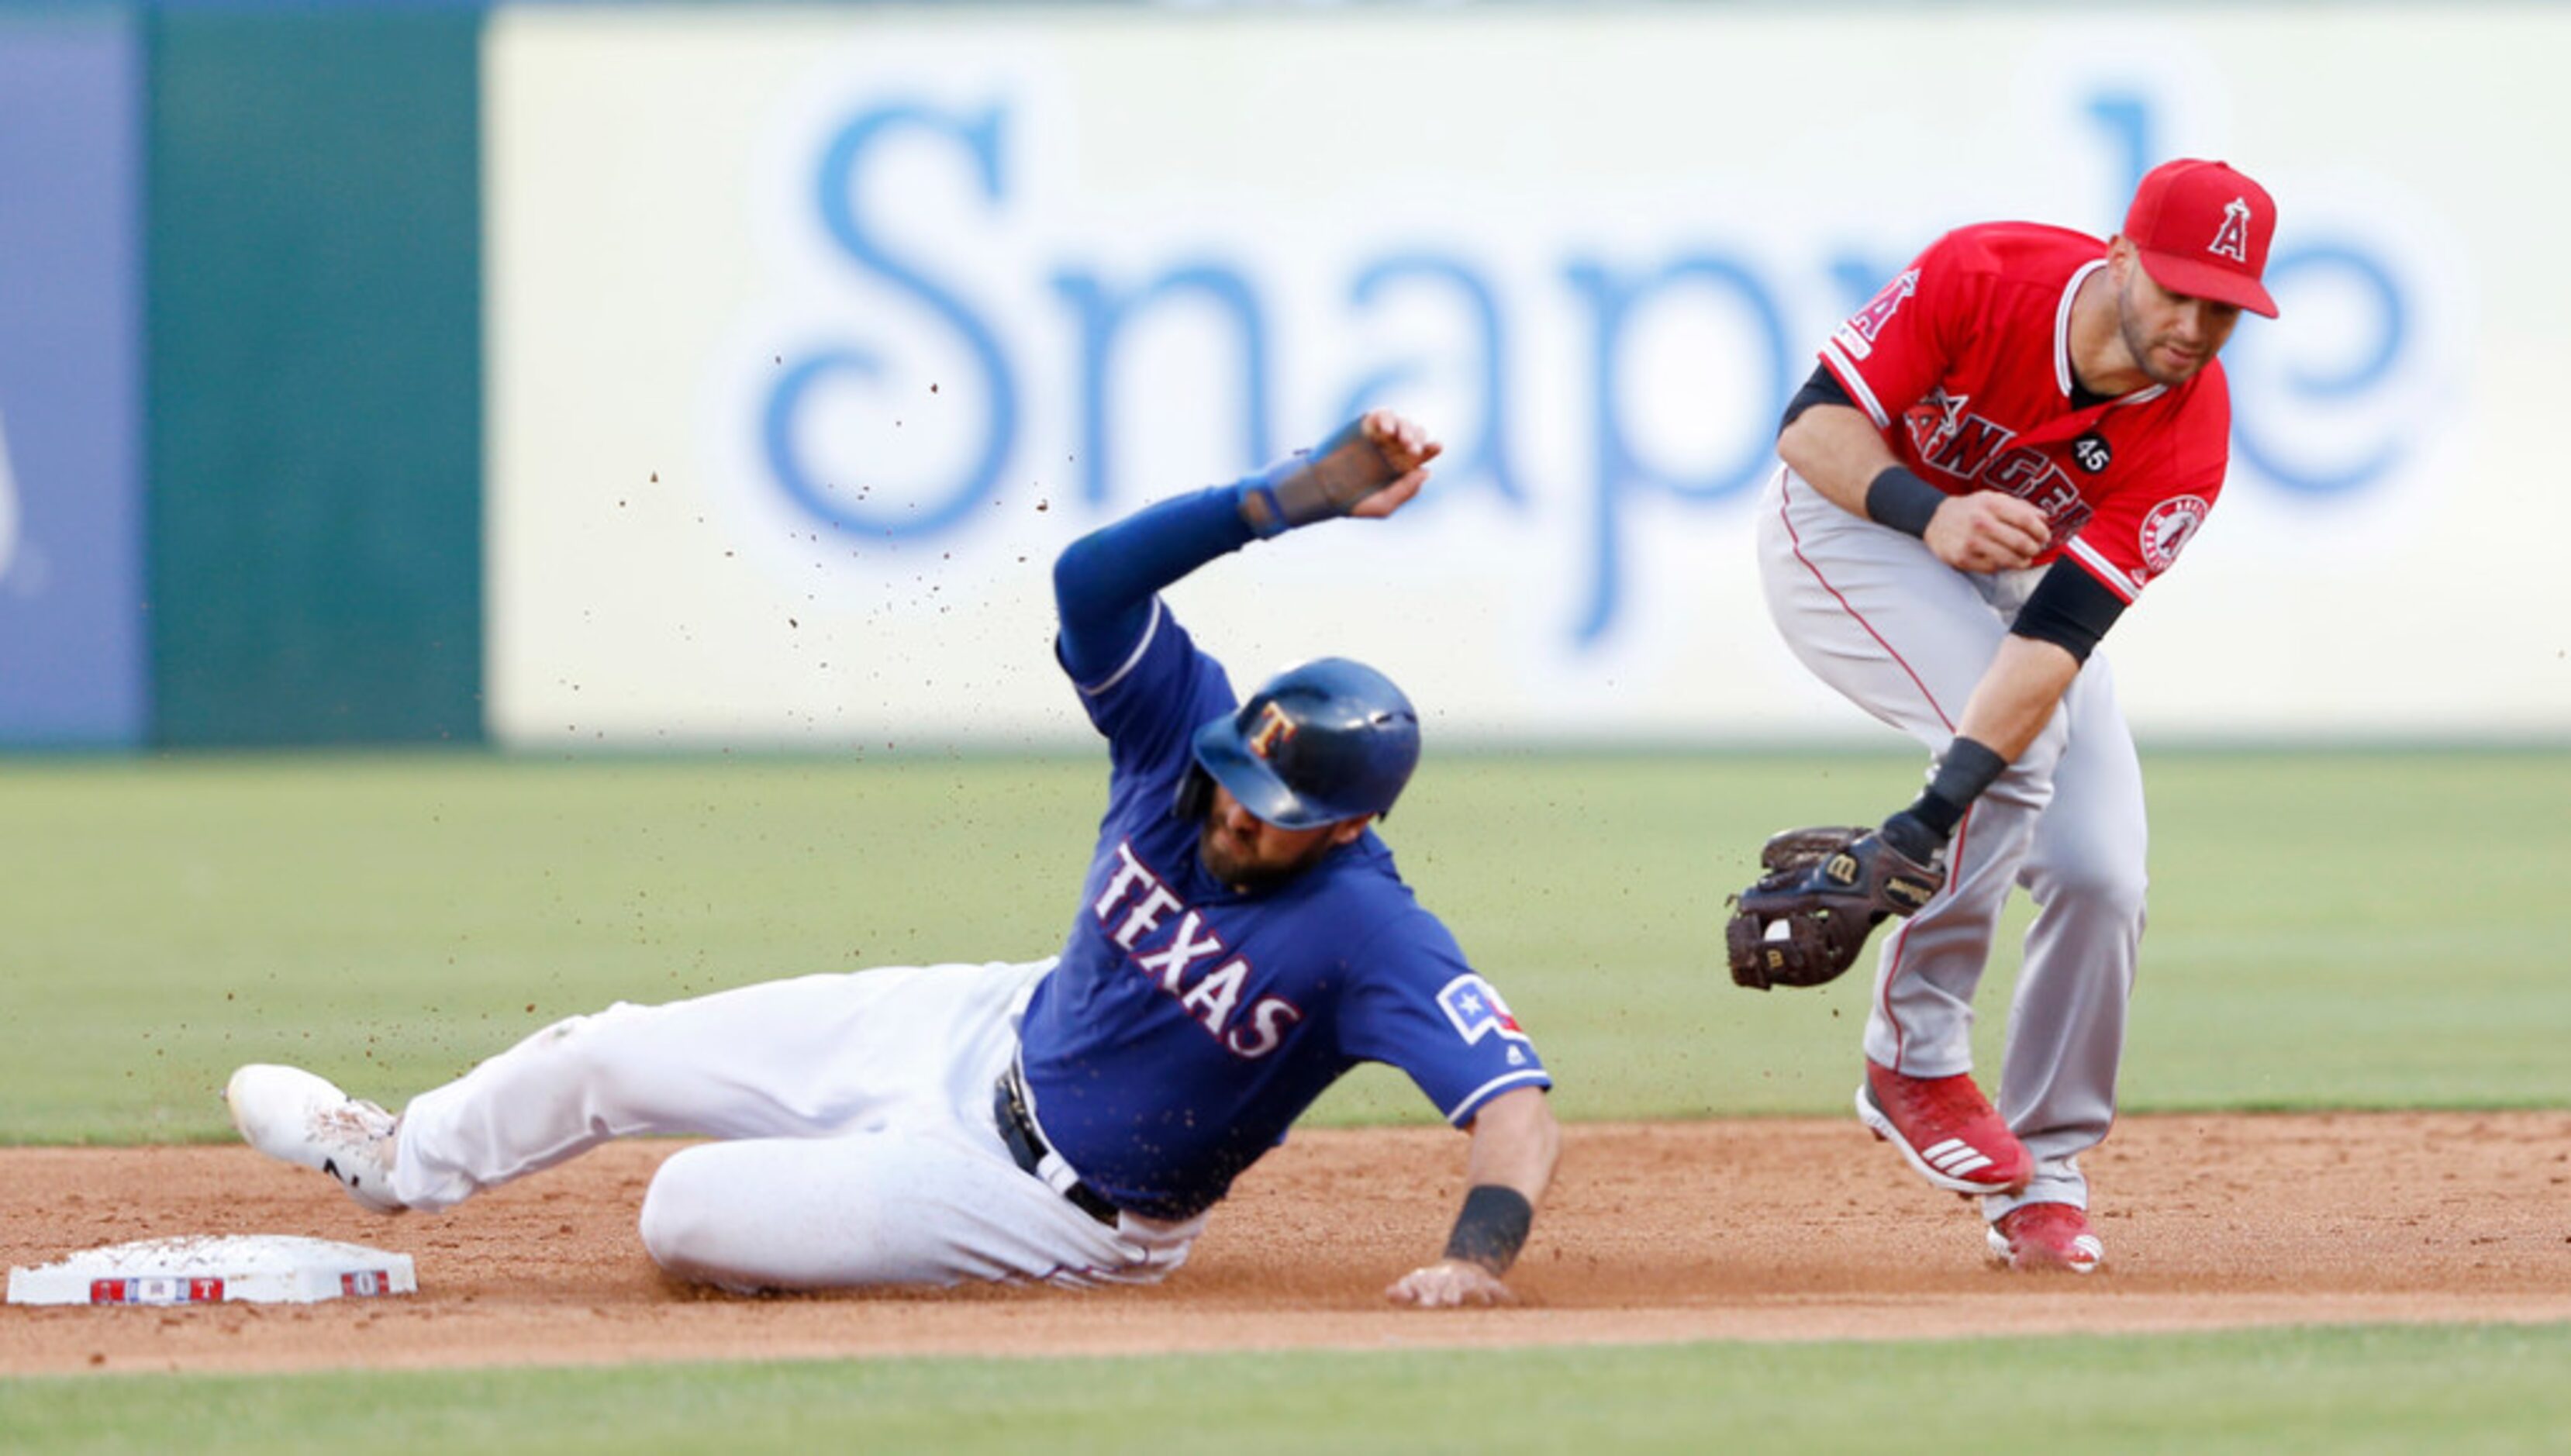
(800, 372)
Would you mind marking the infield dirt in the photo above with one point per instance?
(1760, 1230)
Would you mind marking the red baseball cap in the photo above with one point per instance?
(2203, 230)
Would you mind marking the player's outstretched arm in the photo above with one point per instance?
(1103, 582)
(1370, 468)
(1405, 449)
(1515, 1143)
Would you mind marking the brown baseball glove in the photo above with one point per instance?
(1827, 888)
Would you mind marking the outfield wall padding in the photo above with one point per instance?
(316, 376)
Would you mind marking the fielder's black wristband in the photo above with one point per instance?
(1492, 1228)
(1901, 500)
(1967, 767)
(1970, 766)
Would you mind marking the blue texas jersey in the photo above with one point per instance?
(1189, 1024)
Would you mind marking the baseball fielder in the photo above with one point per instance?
(1996, 456)
(1240, 939)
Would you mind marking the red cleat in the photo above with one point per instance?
(2046, 1236)
(1947, 1129)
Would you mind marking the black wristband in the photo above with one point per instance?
(1970, 766)
(1901, 500)
(1967, 767)
(1492, 1227)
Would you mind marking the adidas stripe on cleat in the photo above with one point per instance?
(1945, 1130)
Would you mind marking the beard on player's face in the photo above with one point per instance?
(1250, 854)
(2169, 335)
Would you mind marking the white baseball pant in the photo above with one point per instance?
(1903, 636)
(859, 1147)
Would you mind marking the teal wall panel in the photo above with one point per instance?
(316, 376)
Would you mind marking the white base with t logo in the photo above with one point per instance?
(255, 1268)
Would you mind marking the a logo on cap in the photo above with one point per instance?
(2232, 240)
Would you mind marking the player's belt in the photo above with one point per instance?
(1027, 1147)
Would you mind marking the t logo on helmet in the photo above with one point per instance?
(1273, 729)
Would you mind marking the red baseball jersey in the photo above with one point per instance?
(1964, 363)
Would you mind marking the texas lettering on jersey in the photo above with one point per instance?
(1190, 961)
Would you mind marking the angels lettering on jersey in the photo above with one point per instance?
(1975, 451)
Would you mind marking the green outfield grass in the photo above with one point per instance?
(2346, 1392)
(2328, 929)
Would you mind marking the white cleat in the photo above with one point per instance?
(296, 1116)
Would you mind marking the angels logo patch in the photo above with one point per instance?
(1477, 1010)
(2167, 528)
(1858, 335)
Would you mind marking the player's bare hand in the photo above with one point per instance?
(1449, 1283)
(1405, 446)
(1987, 531)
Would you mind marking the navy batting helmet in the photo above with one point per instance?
(1331, 740)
